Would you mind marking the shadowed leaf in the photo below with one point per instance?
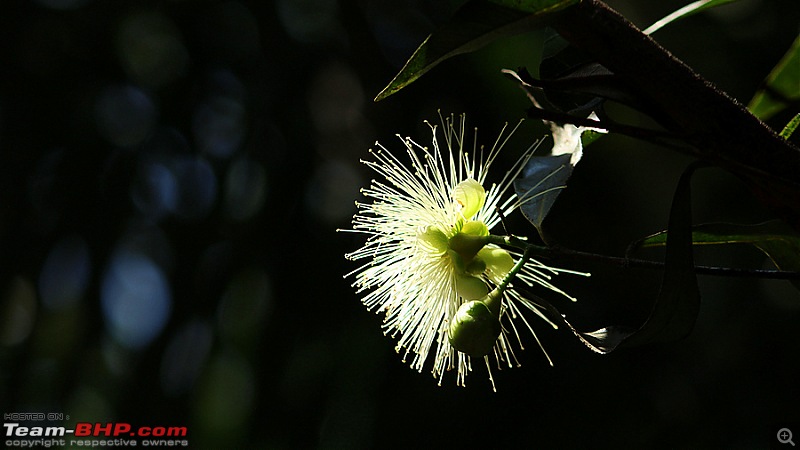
(678, 302)
(474, 25)
(773, 238)
(541, 183)
(526, 83)
(781, 86)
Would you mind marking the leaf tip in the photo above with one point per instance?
(389, 90)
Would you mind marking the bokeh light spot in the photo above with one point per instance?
(63, 5)
(236, 37)
(144, 238)
(218, 122)
(17, 312)
(65, 274)
(330, 193)
(155, 189)
(244, 304)
(335, 99)
(117, 359)
(125, 115)
(218, 126)
(398, 30)
(197, 186)
(309, 21)
(225, 396)
(150, 49)
(87, 403)
(136, 299)
(185, 357)
(245, 188)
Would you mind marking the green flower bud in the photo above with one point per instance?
(433, 240)
(474, 329)
(471, 196)
(498, 263)
(470, 288)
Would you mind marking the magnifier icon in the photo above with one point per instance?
(785, 436)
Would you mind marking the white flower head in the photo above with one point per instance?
(424, 253)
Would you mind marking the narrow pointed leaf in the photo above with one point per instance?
(525, 81)
(774, 238)
(678, 302)
(781, 88)
(571, 80)
(534, 6)
(686, 11)
(604, 340)
(474, 25)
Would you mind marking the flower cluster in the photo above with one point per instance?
(427, 253)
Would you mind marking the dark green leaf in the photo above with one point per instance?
(686, 11)
(773, 238)
(534, 6)
(540, 185)
(781, 86)
(678, 302)
(525, 79)
(474, 25)
(559, 58)
(570, 78)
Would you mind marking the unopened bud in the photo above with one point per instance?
(474, 329)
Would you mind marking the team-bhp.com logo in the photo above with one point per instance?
(87, 434)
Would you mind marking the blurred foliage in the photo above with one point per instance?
(781, 89)
(172, 173)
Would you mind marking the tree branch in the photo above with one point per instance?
(565, 254)
(720, 130)
(561, 254)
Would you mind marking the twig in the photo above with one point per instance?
(564, 254)
(720, 130)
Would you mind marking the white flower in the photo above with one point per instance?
(422, 259)
(567, 138)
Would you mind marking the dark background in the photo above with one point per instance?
(171, 178)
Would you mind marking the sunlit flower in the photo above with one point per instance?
(425, 255)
